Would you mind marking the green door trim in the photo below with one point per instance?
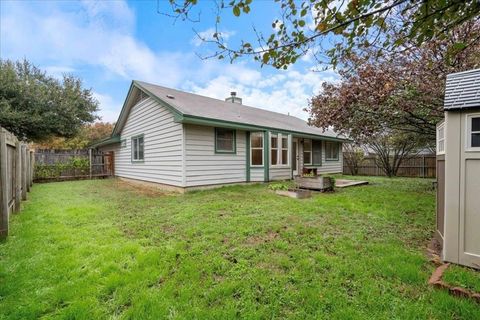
(266, 152)
(247, 164)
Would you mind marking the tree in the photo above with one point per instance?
(88, 134)
(35, 106)
(353, 157)
(402, 92)
(392, 148)
(332, 29)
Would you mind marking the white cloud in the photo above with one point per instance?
(109, 107)
(100, 36)
(207, 35)
(287, 92)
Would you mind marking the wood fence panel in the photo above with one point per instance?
(423, 166)
(13, 172)
(18, 176)
(60, 165)
(24, 171)
(4, 214)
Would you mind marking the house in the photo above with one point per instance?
(458, 170)
(182, 140)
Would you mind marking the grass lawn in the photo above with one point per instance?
(101, 249)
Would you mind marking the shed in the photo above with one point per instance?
(458, 170)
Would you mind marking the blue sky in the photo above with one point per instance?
(110, 43)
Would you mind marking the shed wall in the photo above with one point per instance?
(462, 187)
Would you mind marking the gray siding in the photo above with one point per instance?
(257, 174)
(283, 173)
(204, 167)
(163, 140)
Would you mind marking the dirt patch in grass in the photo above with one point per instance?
(264, 238)
(141, 189)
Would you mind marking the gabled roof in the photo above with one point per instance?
(197, 109)
(462, 90)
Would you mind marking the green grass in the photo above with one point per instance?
(100, 249)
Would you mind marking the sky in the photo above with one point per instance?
(110, 43)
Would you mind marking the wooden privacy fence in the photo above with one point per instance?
(16, 176)
(422, 166)
(56, 165)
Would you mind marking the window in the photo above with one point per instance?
(137, 148)
(225, 141)
(441, 139)
(256, 148)
(307, 151)
(474, 132)
(284, 157)
(278, 149)
(274, 149)
(317, 152)
(331, 150)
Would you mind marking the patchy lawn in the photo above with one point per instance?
(101, 249)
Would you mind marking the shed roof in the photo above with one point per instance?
(462, 90)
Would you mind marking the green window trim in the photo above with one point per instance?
(337, 145)
(247, 163)
(266, 160)
(234, 144)
(132, 149)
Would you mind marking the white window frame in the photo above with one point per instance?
(138, 148)
(274, 135)
(279, 149)
(441, 128)
(469, 132)
(261, 134)
(309, 163)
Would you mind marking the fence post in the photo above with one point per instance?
(3, 185)
(24, 172)
(423, 166)
(27, 173)
(18, 175)
(90, 161)
(32, 163)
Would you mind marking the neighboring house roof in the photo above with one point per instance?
(197, 109)
(462, 90)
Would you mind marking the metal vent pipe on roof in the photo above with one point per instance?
(233, 98)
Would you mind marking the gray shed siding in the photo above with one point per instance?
(204, 167)
(163, 139)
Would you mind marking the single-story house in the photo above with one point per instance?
(183, 140)
(458, 170)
